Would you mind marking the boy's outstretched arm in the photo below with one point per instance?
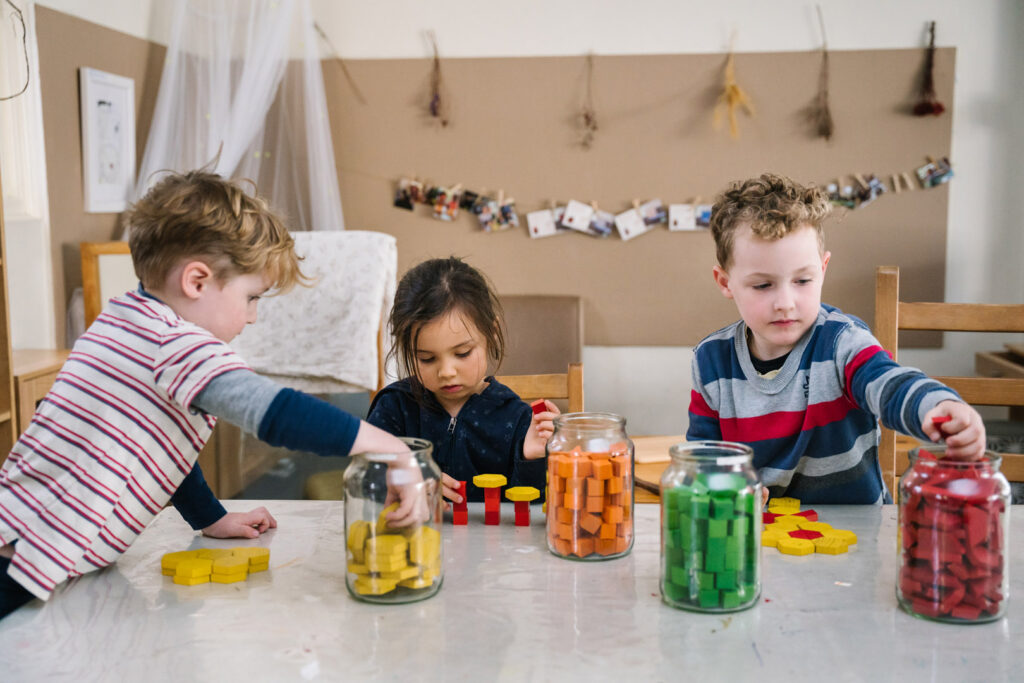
(964, 431)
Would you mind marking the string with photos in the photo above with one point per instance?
(497, 212)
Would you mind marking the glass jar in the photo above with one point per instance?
(590, 487)
(710, 527)
(389, 563)
(954, 518)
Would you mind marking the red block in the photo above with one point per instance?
(769, 517)
(538, 407)
(522, 513)
(461, 490)
(492, 498)
(492, 517)
(460, 517)
(806, 533)
(809, 515)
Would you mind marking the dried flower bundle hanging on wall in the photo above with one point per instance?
(732, 98)
(819, 116)
(438, 106)
(586, 120)
(929, 103)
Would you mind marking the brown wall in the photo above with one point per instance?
(511, 130)
(65, 44)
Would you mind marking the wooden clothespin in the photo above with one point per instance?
(895, 183)
(908, 181)
(696, 200)
(930, 160)
(456, 188)
(593, 205)
(501, 197)
(636, 205)
(860, 180)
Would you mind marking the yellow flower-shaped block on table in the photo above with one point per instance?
(220, 565)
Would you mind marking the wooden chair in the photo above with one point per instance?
(107, 271)
(567, 386)
(893, 315)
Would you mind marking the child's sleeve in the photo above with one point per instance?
(898, 395)
(386, 412)
(196, 502)
(703, 412)
(278, 415)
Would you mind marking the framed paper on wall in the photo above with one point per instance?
(108, 139)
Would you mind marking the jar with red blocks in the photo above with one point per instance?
(954, 521)
(590, 487)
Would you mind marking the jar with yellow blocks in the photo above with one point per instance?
(393, 525)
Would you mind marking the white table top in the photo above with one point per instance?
(508, 610)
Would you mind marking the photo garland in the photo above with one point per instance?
(498, 213)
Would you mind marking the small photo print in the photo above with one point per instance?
(404, 197)
(446, 204)
(874, 189)
(577, 216)
(653, 212)
(843, 197)
(507, 217)
(682, 217)
(703, 217)
(630, 224)
(486, 210)
(935, 173)
(541, 223)
(602, 223)
(431, 194)
(468, 200)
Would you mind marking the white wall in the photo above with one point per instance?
(651, 385)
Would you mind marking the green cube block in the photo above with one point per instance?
(680, 576)
(730, 599)
(733, 553)
(700, 507)
(714, 555)
(674, 592)
(708, 598)
(671, 498)
(722, 508)
(718, 528)
(674, 557)
(705, 580)
(725, 580)
(748, 504)
(671, 519)
(739, 527)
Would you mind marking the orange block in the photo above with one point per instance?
(582, 467)
(562, 546)
(599, 456)
(621, 544)
(564, 515)
(608, 530)
(602, 469)
(614, 499)
(595, 504)
(583, 547)
(590, 523)
(557, 484)
(614, 485)
(574, 499)
(595, 486)
(620, 465)
(624, 530)
(563, 466)
(612, 514)
(605, 546)
(565, 531)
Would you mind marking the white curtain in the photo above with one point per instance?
(243, 76)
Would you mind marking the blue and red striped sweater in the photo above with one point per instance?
(813, 426)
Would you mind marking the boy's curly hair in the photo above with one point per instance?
(200, 215)
(772, 205)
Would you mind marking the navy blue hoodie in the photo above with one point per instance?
(485, 438)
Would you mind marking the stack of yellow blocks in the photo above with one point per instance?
(788, 518)
(384, 560)
(220, 565)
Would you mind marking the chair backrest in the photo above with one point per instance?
(107, 271)
(545, 332)
(893, 315)
(568, 385)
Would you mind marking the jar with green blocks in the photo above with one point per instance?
(710, 527)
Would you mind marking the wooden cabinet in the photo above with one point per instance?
(8, 427)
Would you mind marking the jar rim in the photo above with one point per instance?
(417, 447)
(706, 451)
(590, 421)
(938, 452)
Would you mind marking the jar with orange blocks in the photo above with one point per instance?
(590, 487)
(394, 555)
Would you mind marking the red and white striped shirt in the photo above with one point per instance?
(110, 443)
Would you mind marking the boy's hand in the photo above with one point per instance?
(964, 432)
(541, 429)
(242, 524)
(406, 485)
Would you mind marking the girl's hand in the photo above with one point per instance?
(242, 524)
(963, 431)
(450, 490)
(542, 426)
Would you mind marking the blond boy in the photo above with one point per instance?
(801, 382)
(117, 437)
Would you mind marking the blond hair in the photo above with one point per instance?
(200, 215)
(772, 205)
